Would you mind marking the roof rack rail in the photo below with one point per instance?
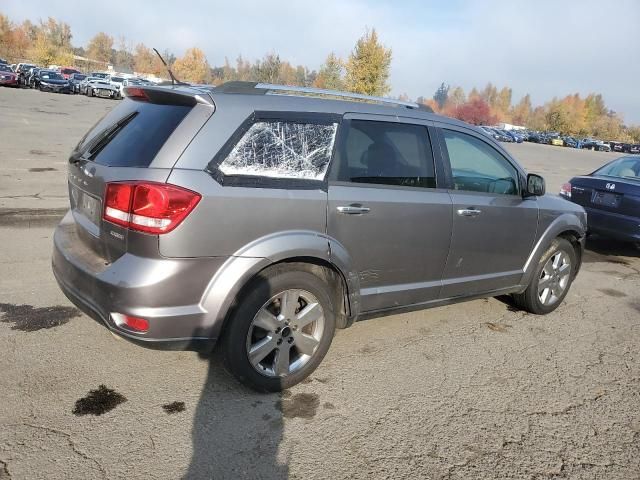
(334, 93)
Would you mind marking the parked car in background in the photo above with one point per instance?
(8, 77)
(593, 144)
(3, 61)
(102, 88)
(569, 141)
(54, 82)
(82, 86)
(301, 184)
(66, 72)
(99, 75)
(117, 82)
(634, 148)
(22, 69)
(556, 140)
(611, 198)
(32, 78)
(74, 81)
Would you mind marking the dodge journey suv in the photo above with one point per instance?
(263, 217)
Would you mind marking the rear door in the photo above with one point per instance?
(386, 210)
(494, 227)
(137, 140)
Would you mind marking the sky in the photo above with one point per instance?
(544, 48)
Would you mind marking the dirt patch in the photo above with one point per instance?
(43, 169)
(39, 110)
(28, 318)
(39, 152)
(99, 401)
(329, 406)
(4, 471)
(174, 407)
(498, 327)
(612, 293)
(303, 405)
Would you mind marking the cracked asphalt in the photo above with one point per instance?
(474, 390)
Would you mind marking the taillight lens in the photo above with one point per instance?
(148, 207)
(565, 190)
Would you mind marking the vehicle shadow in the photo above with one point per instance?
(236, 431)
(600, 249)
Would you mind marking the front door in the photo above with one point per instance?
(386, 211)
(494, 227)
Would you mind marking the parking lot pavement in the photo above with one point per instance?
(475, 390)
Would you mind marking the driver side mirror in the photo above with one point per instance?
(535, 185)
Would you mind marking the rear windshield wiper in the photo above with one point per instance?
(103, 140)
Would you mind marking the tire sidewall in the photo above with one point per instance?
(257, 293)
(557, 245)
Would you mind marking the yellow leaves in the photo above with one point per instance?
(368, 66)
(99, 47)
(192, 67)
(43, 52)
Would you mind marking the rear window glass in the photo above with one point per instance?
(131, 134)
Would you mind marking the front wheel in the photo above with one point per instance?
(551, 280)
(281, 330)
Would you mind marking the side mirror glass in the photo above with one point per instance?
(535, 185)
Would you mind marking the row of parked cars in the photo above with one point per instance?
(555, 138)
(66, 80)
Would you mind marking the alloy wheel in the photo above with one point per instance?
(285, 333)
(554, 278)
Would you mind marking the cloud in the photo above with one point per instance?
(545, 48)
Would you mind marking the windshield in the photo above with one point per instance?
(4, 68)
(624, 167)
(77, 76)
(51, 76)
(68, 70)
(117, 79)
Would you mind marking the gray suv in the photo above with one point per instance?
(263, 217)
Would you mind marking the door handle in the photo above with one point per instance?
(469, 212)
(353, 209)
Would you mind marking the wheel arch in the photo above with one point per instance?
(308, 251)
(566, 226)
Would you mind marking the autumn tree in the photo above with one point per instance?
(368, 66)
(192, 67)
(522, 111)
(331, 73)
(475, 111)
(146, 61)
(457, 97)
(99, 47)
(43, 52)
(441, 95)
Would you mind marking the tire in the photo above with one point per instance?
(89, 92)
(539, 300)
(284, 332)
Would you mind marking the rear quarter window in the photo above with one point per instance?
(131, 134)
(282, 149)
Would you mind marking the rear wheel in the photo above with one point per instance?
(551, 280)
(281, 330)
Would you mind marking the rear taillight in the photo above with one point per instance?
(565, 190)
(148, 207)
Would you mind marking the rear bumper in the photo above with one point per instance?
(166, 292)
(613, 225)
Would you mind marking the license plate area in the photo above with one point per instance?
(85, 204)
(606, 199)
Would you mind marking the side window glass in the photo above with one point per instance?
(477, 167)
(282, 150)
(387, 153)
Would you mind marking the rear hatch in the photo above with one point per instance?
(139, 140)
(609, 194)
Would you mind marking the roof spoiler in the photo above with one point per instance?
(178, 95)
